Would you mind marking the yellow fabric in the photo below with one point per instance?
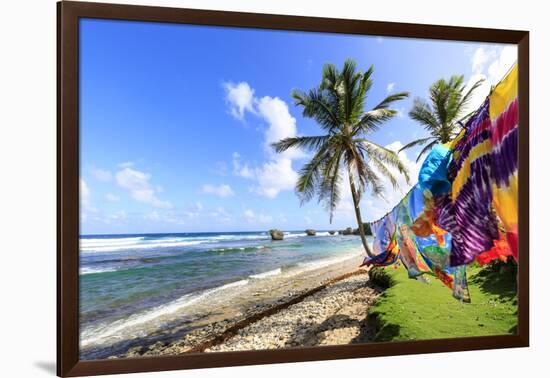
(464, 173)
(505, 92)
(505, 200)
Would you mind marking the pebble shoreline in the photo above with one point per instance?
(334, 315)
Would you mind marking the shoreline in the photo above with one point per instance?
(334, 284)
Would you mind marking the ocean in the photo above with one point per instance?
(140, 288)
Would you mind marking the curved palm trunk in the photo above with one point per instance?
(355, 197)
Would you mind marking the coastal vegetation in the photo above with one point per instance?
(443, 114)
(344, 149)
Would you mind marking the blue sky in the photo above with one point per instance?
(176, 120)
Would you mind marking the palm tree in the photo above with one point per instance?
(337, 105)
(443, 117)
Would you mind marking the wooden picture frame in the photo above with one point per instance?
(69, 13)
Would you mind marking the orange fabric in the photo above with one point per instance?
(501, 250)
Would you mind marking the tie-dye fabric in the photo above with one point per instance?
(503, 105)
(467, 211)
(466, 189)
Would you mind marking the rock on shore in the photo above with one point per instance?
(276, 234)
(310, 232)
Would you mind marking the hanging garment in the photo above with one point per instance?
(406, 240)
(385, 246)
(501, 250)
(504, 137)
(466, 212)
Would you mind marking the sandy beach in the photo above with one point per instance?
(331, 310)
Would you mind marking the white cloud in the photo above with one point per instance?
(112, 198)
(499, 67)
(102, 175)
(85, 193)
(481, 56)
(222, 190)
(280, 123)
(276, 174)
(140, 189)
(240, 98)
(240, 169)
(390, 87)
(490, 63)
(479, 95)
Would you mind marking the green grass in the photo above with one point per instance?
(413, 310)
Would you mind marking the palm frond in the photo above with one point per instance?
(319, 106)
(422, 113)
(373, 119)
(417, 142)
(385, 103)
(309, 176)
(305, 142)
(385, 155)
(383, 169)
(426, 149)
(467, 97)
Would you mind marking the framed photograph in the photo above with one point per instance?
(238, 188)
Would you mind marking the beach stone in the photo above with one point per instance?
(276, 234)
(310, 232)
(332, 232)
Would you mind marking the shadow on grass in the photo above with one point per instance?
(498, 278)
(379, 331)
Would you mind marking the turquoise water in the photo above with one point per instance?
(130, 285)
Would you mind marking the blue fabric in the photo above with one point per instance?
(433, 174)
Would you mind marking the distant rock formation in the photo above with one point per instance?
(332, 232)
(310, 232)
(276, 234)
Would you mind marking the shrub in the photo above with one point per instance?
(380, 277)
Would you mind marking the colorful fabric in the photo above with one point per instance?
(465, 189)
(406, 240)
(501, 250)
(385, 248)
(467, 211)
(503, 105)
